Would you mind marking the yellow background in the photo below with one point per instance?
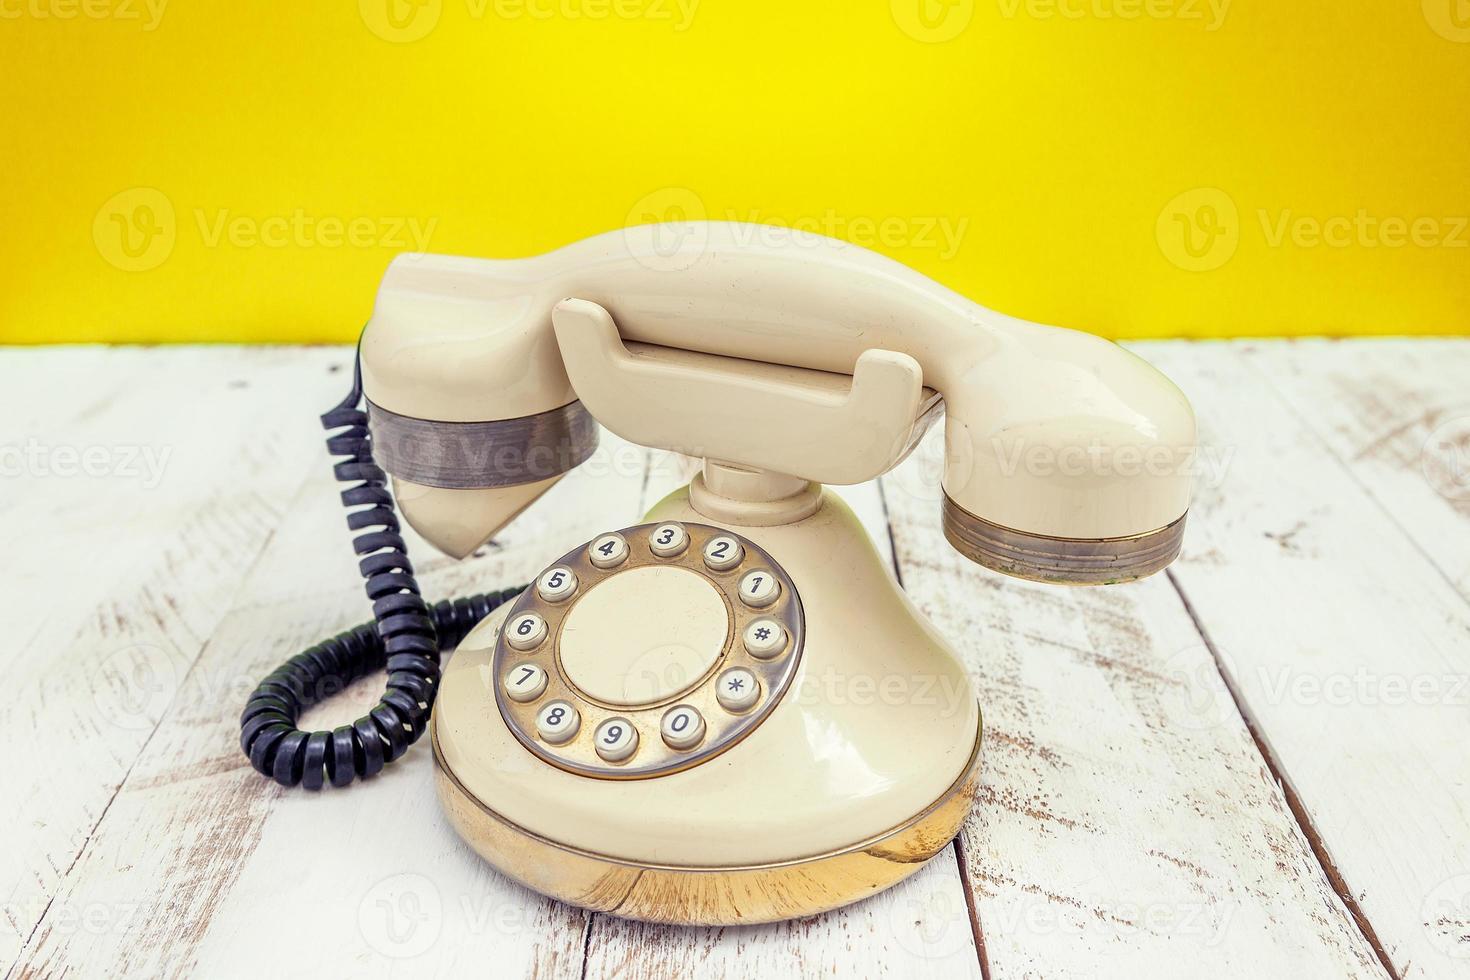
(218, 170)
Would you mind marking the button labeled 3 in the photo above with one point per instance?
(668, 540)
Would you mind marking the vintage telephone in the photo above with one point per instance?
(686, 721)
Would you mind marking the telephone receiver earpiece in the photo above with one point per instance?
(783, 362)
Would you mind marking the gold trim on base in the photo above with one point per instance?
(708, 896)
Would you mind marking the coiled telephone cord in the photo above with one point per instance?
(405, 638)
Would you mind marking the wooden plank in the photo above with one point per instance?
(217, 871)
(1396, 414)
(1127, 825)
(140, 484)
(921, 927)
(1346, 644)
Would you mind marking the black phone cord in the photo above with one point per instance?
(405, 638)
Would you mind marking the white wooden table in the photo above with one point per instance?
(1256, 765)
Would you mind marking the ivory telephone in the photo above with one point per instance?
(667, 723)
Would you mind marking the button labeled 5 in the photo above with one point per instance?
(668, 540)
(556, 583)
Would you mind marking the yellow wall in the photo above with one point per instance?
(1047, 157)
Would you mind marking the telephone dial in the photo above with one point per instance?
(652, 727)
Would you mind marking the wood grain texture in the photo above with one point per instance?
(221, 873)
(1127, 825)
(1345, 637)
(137, 488)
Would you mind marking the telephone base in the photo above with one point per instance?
(714, 895)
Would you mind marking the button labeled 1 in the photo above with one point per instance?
(555, 584)
(682, 727)
(759, 588)
(616, 739)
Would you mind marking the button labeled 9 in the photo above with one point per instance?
(616, 739)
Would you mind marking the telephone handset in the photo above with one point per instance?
(729, 712)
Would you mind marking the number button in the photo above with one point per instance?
(668, 540)
(608, 551)
(526, 631)
(723, 553)
(555, 584)
(764, 638)
(558, 722)
(682, 727)
(737, 689)
(524, 682)
(616, 740)
(759, 588)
